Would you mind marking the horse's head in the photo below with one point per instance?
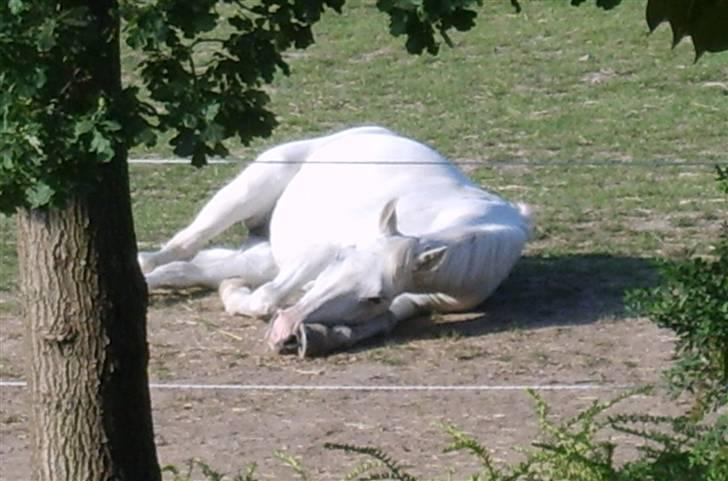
(360, 283)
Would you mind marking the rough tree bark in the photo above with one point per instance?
(84, 303)
(84, 306)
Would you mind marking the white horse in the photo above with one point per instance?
(361, 229)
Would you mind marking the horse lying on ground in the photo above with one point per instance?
(350, 234)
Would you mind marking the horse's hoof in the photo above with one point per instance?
(313, 340)
(302, 342)
(229, 284)
(233, 293)
(298, 342)
(288, 345)
(146, 262)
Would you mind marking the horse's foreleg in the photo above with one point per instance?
(249, 198)
(262, 302)
(318, 339)
(287, 334)
(274, 295)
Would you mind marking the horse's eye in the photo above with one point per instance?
(374, 300)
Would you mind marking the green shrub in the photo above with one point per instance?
(579, 449)
(195, 466)
(693, 301)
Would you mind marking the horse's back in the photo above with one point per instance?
(368, 166)
(337, 194)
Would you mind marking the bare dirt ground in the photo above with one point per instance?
(557, 320)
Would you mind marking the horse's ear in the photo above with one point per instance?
(388, 219)
(430, 259)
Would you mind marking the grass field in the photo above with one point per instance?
(553, 89)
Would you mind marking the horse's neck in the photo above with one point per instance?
(478, 258)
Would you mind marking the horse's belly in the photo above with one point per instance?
(313, 219)
(309, 218)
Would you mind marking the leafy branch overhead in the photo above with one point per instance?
(202, 66)
(705, 21)
(210, 94)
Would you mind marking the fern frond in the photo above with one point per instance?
(207, 471)
(463, 442)
(587, 417)
(394, 470)
(249, 474)
(362, 468)
(292, 462)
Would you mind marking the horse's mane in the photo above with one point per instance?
(480, 255)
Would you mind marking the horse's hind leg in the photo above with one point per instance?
(252, 264)
(249, 198)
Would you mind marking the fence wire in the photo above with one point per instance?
(176, 386)
(464, 163)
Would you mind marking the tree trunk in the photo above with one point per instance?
(84, 302)
(85, 307)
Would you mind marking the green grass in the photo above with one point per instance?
(639, 211)
(8, 259)
(164, 198)
(553, 84)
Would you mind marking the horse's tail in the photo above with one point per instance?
(527, 216)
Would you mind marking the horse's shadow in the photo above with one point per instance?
(546, 291)
(541, 291)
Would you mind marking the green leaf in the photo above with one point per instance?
(408, 4)
(40, 78)
(39, 194)
(16, 6)
(83, 126)
(111, 126)
(46, 35)
(101, 145)
(463, 19)
(7, 162)
(398, 23)
(211, 111)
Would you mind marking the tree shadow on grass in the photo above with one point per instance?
(546, 291)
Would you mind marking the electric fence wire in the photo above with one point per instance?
(465, 163)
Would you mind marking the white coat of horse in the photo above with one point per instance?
(361, 229)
